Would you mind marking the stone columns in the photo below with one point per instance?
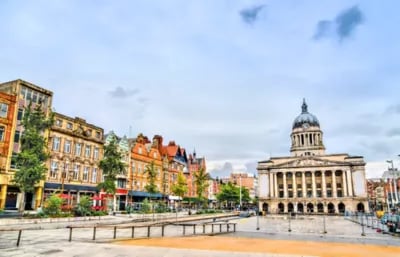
(334, 189)
(349, 182)
(303, 183)
(314, 190)
(275, 185)
(284, 185)
(271, 185)
(294, 188)
(323, 184)
(344, 186)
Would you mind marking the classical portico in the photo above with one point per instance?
(309, 180)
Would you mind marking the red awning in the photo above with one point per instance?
(96, 198)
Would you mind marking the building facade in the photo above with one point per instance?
(8, 199)
(121, 194)
(26, 93)
(310, 181)
(76, 147)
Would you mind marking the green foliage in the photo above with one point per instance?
(201, 178)
(112, 166)
(52, 206)
(231, 194)
(84, 206)
(30, 161)
(160, 207)
(151, 172)
(180, 188)
(146, 206)
(208, 211)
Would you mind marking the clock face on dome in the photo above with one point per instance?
(306, 125)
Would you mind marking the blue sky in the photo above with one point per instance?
(224, 77)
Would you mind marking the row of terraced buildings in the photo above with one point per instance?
(76, 147)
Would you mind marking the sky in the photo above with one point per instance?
(223, 77)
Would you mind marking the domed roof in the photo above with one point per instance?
(305, 118)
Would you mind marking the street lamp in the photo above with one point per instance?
(394, 191)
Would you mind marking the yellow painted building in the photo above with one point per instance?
(76, 148)
(25, 92)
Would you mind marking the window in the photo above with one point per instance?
(69, 125)
(98, 134)
(13, 164)
(23, 93)
(56, 143)
(140, 150)
(299, 194)
(20, 114)
(16, 136)
(53, 169)
(28, 94)
(154, 155)
(121, 183)
(78, 147)
(59, 123)
(133, 167)
(77, 168)
(3, 110)
(94, 175)
(85, 173)
(67, 146)
(96, 153)
(281, 194)
(87, 151)
(34, 97)
(2, 130)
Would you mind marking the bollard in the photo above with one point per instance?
(227, 227)
(184, 229)
(70, 234)
(324, 231)
(133, 232)
(148, 231)
(19, 237)
(212, 228)
(94, 233)
(162, 230)
(115, 232)
(220, 228)
(234, 227)
(194, 229)
(204, 228)
(290, 227)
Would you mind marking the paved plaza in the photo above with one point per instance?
(52, 239)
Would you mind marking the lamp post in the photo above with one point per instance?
(393, 193)
(324, 221)
(258, 213)
(240, 192)
(362, 225)
(290, 227)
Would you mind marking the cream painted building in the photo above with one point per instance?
(310, 181)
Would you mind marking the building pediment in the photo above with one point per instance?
(309, 162)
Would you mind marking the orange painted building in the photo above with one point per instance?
(143, 153)
(7, 109)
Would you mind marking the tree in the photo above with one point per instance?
(52, 206)
(112, 166)
(230, 194)
(152, 173)
(201, 178)
(30, 161)
(180, 188)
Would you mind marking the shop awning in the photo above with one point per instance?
(70, 187)
(144, 194)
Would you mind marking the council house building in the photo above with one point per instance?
(310, 181)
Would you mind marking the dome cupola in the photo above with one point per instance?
(306, 134)
(305, 119)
